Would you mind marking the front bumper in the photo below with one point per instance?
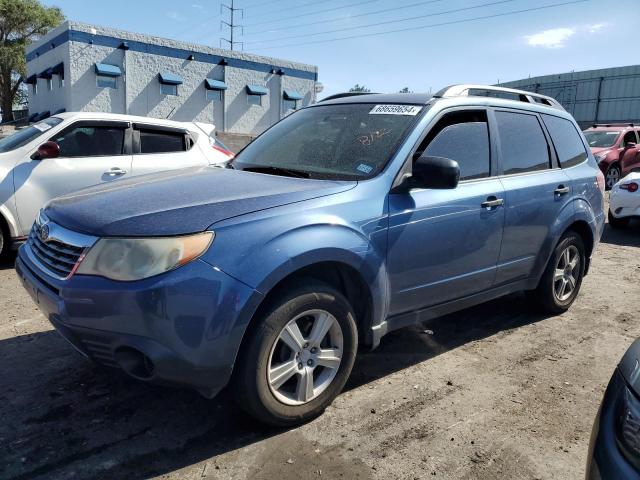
(181, 328)
(605, 460)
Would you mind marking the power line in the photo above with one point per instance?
(422, 27)
(346, 17)
(260, 4)
(388, 22)
(312, 2)
(312, 13)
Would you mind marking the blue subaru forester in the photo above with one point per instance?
(346, 220)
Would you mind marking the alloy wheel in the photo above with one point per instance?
(612, 177)
(305, 357)
(565, 277)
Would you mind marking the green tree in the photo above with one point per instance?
(405, 90)
(359, 88)
(21, 22)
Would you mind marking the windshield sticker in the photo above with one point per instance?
(364, 168)
(612, 133)
(412, 110)
(43, 127)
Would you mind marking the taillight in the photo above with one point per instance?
(629, 187)
(600, 180)
(226, 152)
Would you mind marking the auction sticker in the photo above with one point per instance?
(412, 110)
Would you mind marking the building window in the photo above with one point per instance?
(49, 84)
(290, 105)
(60, 81)
(254, 99)
(34, 89)
(168, 89)
(106, 81)
(214, 95)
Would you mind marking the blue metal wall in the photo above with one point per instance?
(607, 95)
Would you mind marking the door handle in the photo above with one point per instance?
(116, 171)
(561, 190)
(492, 202)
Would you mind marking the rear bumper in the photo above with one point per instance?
(181, 328)
(624, 204)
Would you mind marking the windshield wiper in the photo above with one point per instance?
(278, 171)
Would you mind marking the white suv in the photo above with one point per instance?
(73, 150)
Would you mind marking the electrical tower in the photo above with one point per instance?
(231, 24)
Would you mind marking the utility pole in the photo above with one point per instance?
(231, 24)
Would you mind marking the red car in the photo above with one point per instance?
(616, 148)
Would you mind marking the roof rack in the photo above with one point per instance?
(346, 94)
(467, 90)
(621, 124)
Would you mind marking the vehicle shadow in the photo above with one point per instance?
(63, 417)
(628, 236)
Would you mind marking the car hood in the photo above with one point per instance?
(595, 150)
(180, 202)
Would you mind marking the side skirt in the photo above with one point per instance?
(418, 316)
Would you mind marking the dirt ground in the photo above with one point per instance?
(494, 391)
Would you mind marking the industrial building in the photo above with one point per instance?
(607, 95)
(80, 67)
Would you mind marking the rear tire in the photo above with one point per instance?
(617, 222)
(289, 370)
(561, 280)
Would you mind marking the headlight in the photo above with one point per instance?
(129, 259)
(600, 156)
(628, 427)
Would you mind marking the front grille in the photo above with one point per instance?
(58, 257)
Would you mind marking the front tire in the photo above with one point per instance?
(298, 357)
(561, 280)
(4, 242)
(612, 176)
(617, 222)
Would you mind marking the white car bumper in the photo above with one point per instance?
(623, 203)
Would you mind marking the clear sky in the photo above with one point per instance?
(420, 44)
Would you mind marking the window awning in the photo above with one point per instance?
(58, 69)
(211, 84)
(257, 90)
(32, 80)
(169, 78)
(46, 73)
(292, 95)
(108, 70)
(33, 116)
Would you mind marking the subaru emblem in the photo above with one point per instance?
(43, 232)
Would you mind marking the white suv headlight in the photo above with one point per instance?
(128, 259)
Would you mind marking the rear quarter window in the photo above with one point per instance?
(566, 140)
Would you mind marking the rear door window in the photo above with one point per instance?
(90, 141)
(566, 140)
(158, 141)
(464, 137)
(522, 143)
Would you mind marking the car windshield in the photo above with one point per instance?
(23, 136)
(603, 138)
(341, 142)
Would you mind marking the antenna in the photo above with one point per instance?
(231, 24)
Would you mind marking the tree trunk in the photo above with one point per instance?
(6, 97)
(7, 108)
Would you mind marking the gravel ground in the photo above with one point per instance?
(494, 391)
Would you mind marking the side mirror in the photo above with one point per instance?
(47, 150)
(435, 172)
